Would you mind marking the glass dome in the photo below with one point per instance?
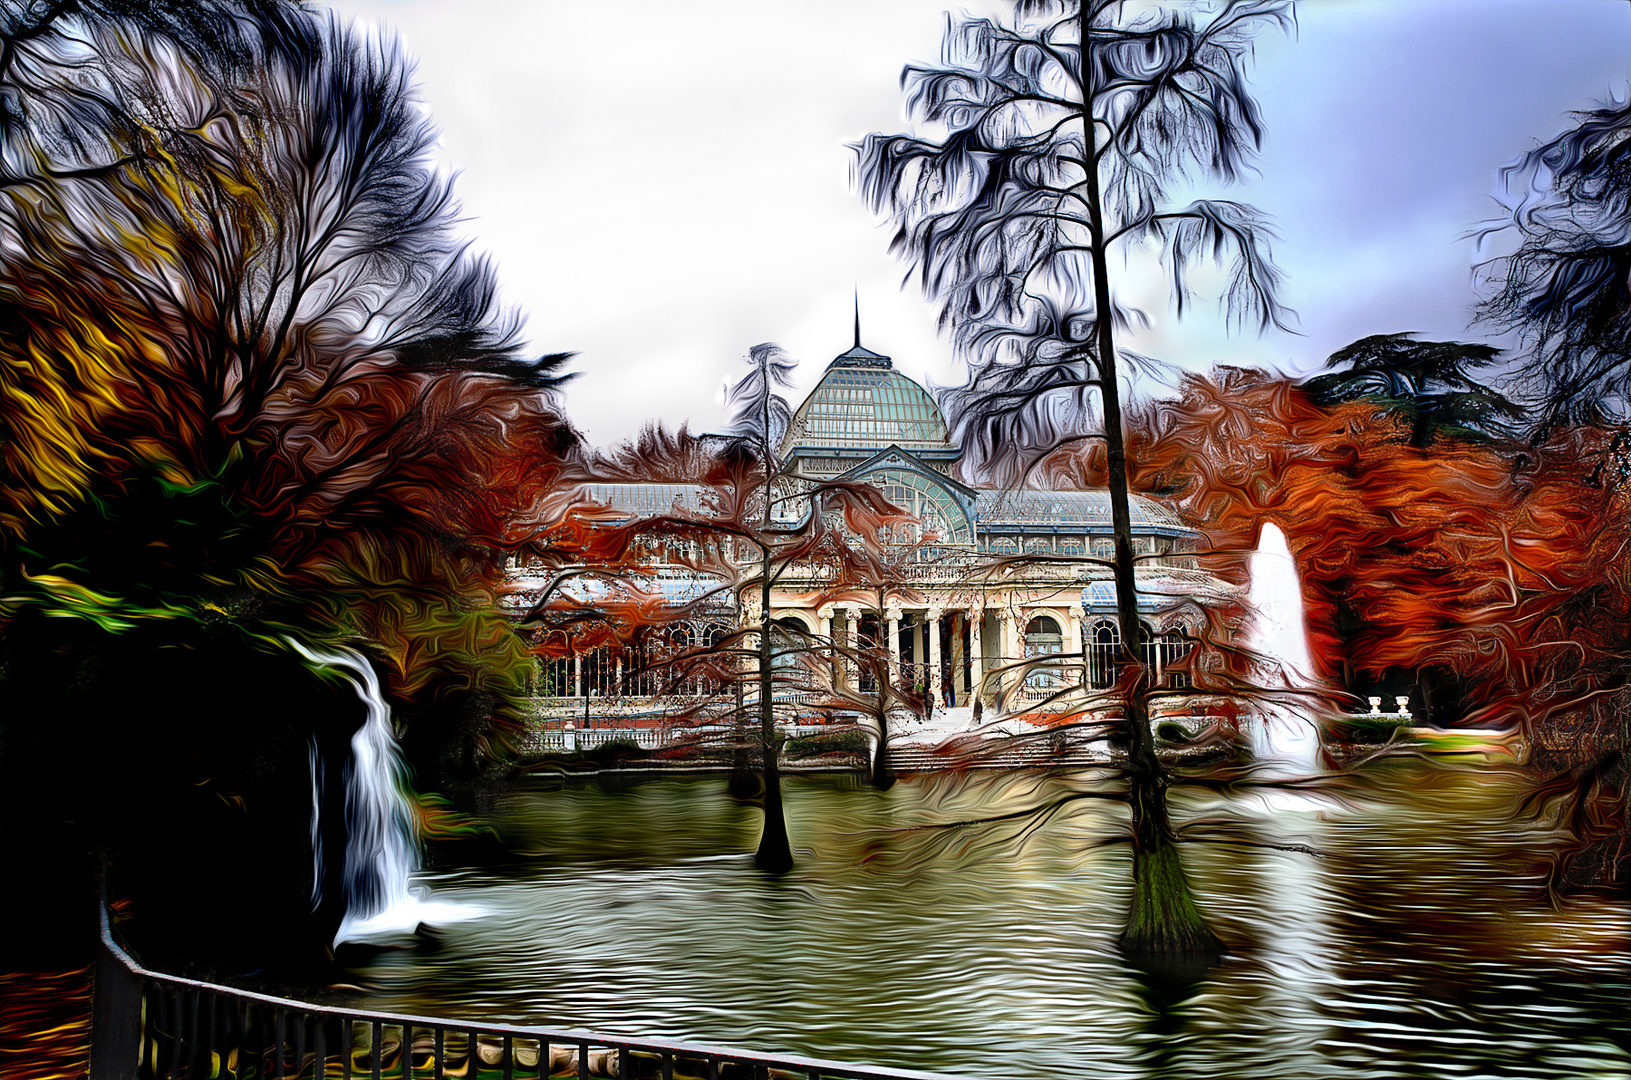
(862, 403)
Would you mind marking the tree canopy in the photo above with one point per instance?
(244, 352)
(1564, 290)
(1005, 224)
(254, 389)
(1426, 382)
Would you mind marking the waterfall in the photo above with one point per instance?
(381, 848)
(1284, 737)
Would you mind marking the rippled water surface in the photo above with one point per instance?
(1410, 937)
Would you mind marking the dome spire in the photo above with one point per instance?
(859, 355)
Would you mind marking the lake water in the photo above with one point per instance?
(1413, 937)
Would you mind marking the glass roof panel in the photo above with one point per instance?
(645, 500)
(868, 409)
(1088, 510)
(937, 512)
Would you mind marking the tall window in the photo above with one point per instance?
(1148, 654)
(1103, 652)
(1174, 647)
(787, 642)
(1104, 642)
(1042, 638)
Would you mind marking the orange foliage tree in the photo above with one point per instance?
(254, 389)
(1497, 567)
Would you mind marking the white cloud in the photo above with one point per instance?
(664, 185)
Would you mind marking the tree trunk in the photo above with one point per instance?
(883, 771)
(775, 853)
(1164, 926)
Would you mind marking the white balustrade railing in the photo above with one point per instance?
(569, 738)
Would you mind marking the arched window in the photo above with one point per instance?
(1037, 546)
(1104, 548)
(937, 513)
(1104, 652)
(1042, 638)
(1041, 630)
(1070, 547)
(1002, 546)
(1103, 644)
(787, 643)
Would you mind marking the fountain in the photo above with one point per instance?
(382, 849)
(1285, 740)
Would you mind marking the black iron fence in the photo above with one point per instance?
(151, 1026)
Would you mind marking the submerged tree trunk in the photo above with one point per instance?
(775, 852)
(883, 770)
(1164, 928)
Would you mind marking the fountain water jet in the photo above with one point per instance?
(382, 848)
(1284, 739)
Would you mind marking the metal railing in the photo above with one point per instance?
(151, 1026)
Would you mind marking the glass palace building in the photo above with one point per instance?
(951, 623)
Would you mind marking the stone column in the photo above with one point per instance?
(852, 637)
(1011, 654)
(824, 621)
(1082, 631)
(747, 618)
(577, 675)
(934, 652)
(976, 652)
(1073, 644)
(894, 642)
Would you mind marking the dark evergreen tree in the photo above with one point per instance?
(1426, 382)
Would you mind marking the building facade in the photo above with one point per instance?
(989, 584)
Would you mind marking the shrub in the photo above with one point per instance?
(848, 740)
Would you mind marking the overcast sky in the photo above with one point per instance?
(664, 184)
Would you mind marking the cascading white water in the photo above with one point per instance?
(382, 848)
(1284, 738)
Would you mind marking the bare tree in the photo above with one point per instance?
(760, 524)
(1053, 141)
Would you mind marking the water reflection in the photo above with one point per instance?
(1406, 934)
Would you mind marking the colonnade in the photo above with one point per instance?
(947, 640)
(946, 648)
